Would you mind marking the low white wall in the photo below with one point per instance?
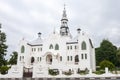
(40, 71)
(15, 71)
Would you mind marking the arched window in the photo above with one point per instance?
(60, 58)
(71, 58)
(68, 58)
(76, 59)
(51, 46)
(22, 49)
(56, 47)
(32, 59)
(40, 58)
(83, 46)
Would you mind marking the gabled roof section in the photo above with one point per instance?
(73, 41)
(91, 43)
(36, 42)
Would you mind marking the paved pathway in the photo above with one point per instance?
(108, 78)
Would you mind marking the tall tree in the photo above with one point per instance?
(118, 57)
(3, 47)
(106, 51)
(13, 59)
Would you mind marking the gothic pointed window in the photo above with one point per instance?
(22, 49)
(56, 47)
(51, 46)
(83, 46)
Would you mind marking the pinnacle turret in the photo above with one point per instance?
(64, 29)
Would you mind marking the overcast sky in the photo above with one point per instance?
(100, 19)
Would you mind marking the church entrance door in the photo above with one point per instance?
(32, 60)
(49, 59)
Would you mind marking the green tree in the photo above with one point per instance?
(106, 51)
(13, 59)
(3, 47)
(118, 57)
(106, 63)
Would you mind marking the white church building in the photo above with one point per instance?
(59, 50)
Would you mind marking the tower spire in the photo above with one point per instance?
(64, 29)
(64, 16)
(64, 6)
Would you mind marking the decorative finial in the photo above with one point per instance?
(83, 33)
(78, 30)
(64, 6)
(23, 38)
(54, 30)
(39, 34)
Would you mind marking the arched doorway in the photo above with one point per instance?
(49, 59)
(76, 59)
(32, 60)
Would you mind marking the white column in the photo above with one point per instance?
(60, 72)
(90, 71)
(106, 70)
(75, 71)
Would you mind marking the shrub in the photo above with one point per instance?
(106, 63)
(83, 72)
(68, 73)
(99, 72)
(4, 69)
(53, 72)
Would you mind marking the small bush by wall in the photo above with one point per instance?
(106, 63)
(4, 69)
(99, 72)
(82, 72)
(53, 72)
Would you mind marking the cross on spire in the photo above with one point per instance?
(64, 16)
(64, 6)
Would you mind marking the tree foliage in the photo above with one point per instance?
(118, 56)
(13, 59)
(106, 51)
(3, 47)
(4, 69)
(106, 63)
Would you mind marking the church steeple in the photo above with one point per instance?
(64, 29)
(64, 16)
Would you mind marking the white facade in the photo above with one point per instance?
(59, 50)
